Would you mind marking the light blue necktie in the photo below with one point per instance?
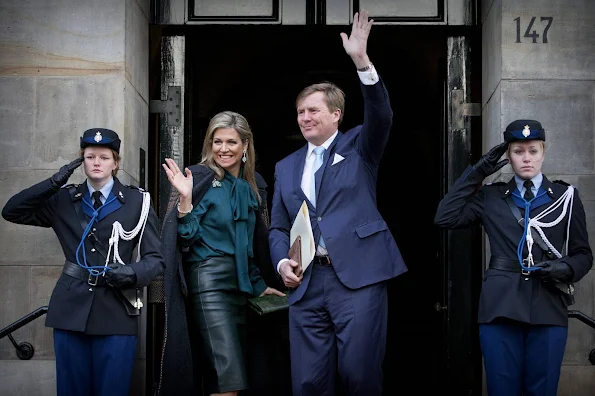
(319, 152)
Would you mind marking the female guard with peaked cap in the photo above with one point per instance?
(539, 248)
(108, 233)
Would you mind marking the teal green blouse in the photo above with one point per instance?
(223, 224)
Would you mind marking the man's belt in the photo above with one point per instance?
(322, 260)
(507, 264)
(78, 272)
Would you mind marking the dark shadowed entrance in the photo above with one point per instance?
(258, 70)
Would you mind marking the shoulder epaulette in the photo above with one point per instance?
(71, 185)
(135, 187)
(561, 182)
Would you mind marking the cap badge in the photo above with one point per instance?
(98, 138)
(526, 131)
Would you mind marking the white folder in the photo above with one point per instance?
(301, 226)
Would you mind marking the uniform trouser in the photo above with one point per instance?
(333, 328)
(522, 359)
(93, 365)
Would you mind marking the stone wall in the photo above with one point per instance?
(65, 66)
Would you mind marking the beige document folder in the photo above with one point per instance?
(302, 227)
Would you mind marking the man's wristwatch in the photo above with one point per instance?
(365, 69)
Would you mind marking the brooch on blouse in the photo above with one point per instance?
(216, 183)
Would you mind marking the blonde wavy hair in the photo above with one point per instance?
(230, 119)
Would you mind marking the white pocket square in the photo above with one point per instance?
(337, 158)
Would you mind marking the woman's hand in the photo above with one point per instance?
(182, 183)
(272, 290)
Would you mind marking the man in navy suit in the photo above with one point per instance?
(338, 308)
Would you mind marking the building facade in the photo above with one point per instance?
(458, 71)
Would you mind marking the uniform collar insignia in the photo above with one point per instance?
(121, 197)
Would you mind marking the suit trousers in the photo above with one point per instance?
(522, 359)
(96, 365)
(333, 328)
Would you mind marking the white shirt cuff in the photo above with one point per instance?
(281, 262)
(369, 77)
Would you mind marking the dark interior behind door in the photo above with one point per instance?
(258, 71)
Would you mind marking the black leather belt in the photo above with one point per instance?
(507, 264)
(78, 272)
(322, 260)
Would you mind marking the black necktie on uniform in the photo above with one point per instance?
(96, 199)
(528, 184)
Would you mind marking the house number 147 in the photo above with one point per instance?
(533, 34)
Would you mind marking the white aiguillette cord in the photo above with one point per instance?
(566, 199)
(119, 232)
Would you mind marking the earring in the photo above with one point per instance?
(244, 157)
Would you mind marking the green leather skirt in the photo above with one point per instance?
(219, 313)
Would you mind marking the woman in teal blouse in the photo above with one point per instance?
(218, 231)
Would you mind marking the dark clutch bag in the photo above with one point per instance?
(268, 303)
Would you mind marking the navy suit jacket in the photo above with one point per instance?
(360, 245)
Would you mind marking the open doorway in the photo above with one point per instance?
(257, 70)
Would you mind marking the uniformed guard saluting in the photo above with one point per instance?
(108, 233)
(539, 248)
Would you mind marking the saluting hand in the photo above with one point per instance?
(356, 44)
(489, 164)
(61, 177)
(182, 183)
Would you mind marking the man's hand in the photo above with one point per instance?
(555, 271)
(356, 44)
(291, 273)
(61, 177)
(119, 275)
(489, 164)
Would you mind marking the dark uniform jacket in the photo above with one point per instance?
(177, 370)
(506, 294)
(75, 304)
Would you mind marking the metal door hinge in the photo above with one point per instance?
(460, 108)
(170, 106)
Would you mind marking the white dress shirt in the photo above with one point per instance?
(105, 190)
(537, 180)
